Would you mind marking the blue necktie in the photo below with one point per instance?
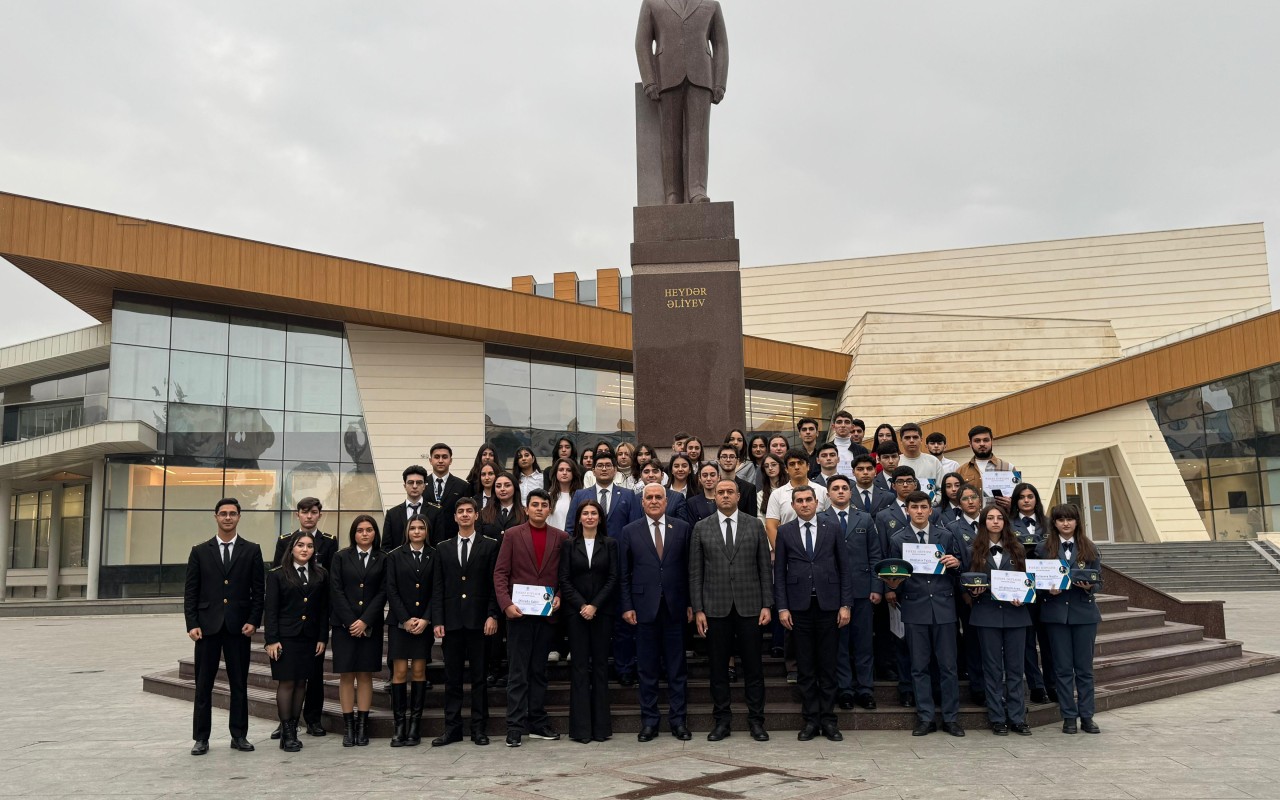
(844, 521)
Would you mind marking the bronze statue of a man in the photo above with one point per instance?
(683, 52)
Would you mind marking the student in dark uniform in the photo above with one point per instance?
(309, 511)
(410, 633)
(222, 604)
(357, 598)
(505, 513)
(1001, 625)
(948, 507)
(855, 665)
(965, 527)
(297, 628)
(893, 653)
(702, 502)
(867, 496)
(415, 483)
(589, 591)
(1071, 618)
(443, 490)
(465, 611)
(1028, 519)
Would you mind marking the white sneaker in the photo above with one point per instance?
(553, 656)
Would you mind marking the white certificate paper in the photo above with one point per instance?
(1050, 573)
(1009, 586)
(999, 480)
(533, 601)
(926, 559)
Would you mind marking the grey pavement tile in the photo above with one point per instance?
(1266, 790)
(1181, 791)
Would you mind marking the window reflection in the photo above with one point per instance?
(197, 431)
(253, 383)
(199, 330)
(253, 434)
(197, 378)
(253, 338)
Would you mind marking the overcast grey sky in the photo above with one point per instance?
(485, 140)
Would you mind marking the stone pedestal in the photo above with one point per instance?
(686, 323)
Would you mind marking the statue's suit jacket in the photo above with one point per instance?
(682, 44)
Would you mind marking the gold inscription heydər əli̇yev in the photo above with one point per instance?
(688, 297)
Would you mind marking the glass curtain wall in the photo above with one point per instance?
(1225, 439)
(261, 408)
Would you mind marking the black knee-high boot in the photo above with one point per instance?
(417, 698)
(399, 705)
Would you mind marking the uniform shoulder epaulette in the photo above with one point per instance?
(274, 569)
(394, 550)
(328, 535)
(287, 535)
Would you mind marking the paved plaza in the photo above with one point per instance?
(75, 723)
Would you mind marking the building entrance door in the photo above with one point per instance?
(1093, 497)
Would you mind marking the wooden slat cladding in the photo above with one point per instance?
(1245, 346)
(86, 255)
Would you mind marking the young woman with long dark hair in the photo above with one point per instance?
(297, 630)
(589, 575)
(410, 634)
(357, 598)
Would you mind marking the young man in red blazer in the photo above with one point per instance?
(530, 555)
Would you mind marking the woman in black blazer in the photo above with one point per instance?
(1071, 617)
(357, 598)
(589, 590)
(297, 630)
(410, 633)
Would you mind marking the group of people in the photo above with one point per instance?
(755, 545)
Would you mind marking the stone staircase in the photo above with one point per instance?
(1234, 566)
(1140, 656)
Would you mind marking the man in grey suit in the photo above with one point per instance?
(683, 53)
(731, 589)
(928, 606)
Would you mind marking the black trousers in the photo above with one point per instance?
(1038, 634)
(528, 643)
(1073, 667)
(723, 633)
(970, 648)
(464, 647)
(855, 668)
(928, 642)
(232, 647)
(817, 637)
(589, 676)
(1002, 665)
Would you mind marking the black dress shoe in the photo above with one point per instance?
(1089, 726)
(241, 743)
(953, 728)
(1052, 693)
(999, 729)
(446, 739)
(200, 747)
(548, 734)
(1069, 726)
(759, 733)
(777, 652)
(832, 733)
(315, 729)
(865, 701)
(907, 699)
(627, 681)
(500, 682)
(480, 739)
(807, 733)
(846, 702)
(923, 728)
(718, 733)
(793, 678)
(276, 733)
(647, 734)
(1022, 730)
(681, 732)
(513, 739)
(1039, 696)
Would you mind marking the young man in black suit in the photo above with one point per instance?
(415, 483)
(223, 603)
(728, 460)
(443, 491)
(309, 513)
(465, 611)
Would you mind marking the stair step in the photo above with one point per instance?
(1160, 659)
(1143, 639)
(1132, 619)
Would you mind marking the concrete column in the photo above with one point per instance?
(97, 495)
(6, 536)
(55, 543)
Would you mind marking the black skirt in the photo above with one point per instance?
(351, 654)
(297, 659)
(404, 645)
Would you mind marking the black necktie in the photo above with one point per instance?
(866, 500)
(844, 521)
(417, 557)
(302, 573)
(604, 500)
(439, 489)
(974, 526)
(506, 512)
(364, 561)
(413, 508)
(920, 536)
(226, 554)
(463, 560)
(728, 533)
(808, 538)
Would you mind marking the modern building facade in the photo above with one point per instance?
(1134, 375)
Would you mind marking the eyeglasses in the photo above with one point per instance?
(903, 481)
(415, 483)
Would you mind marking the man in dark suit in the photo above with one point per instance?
(620, 505)
(654, 555)
(530, 555)
(685, 73)
(309, 513)
(731, 590)
(867, 495)
(222, 603)
(928, 606)
(892, 653)
(442, 492)
(855, 663)
(465, 611)
(965, 529)
(415, 483)
(748, 502)
(813, 591)
(889, 456)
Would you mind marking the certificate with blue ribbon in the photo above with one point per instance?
(926, 559)
(1050, 573)
(533, 601)
(1009, 586)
